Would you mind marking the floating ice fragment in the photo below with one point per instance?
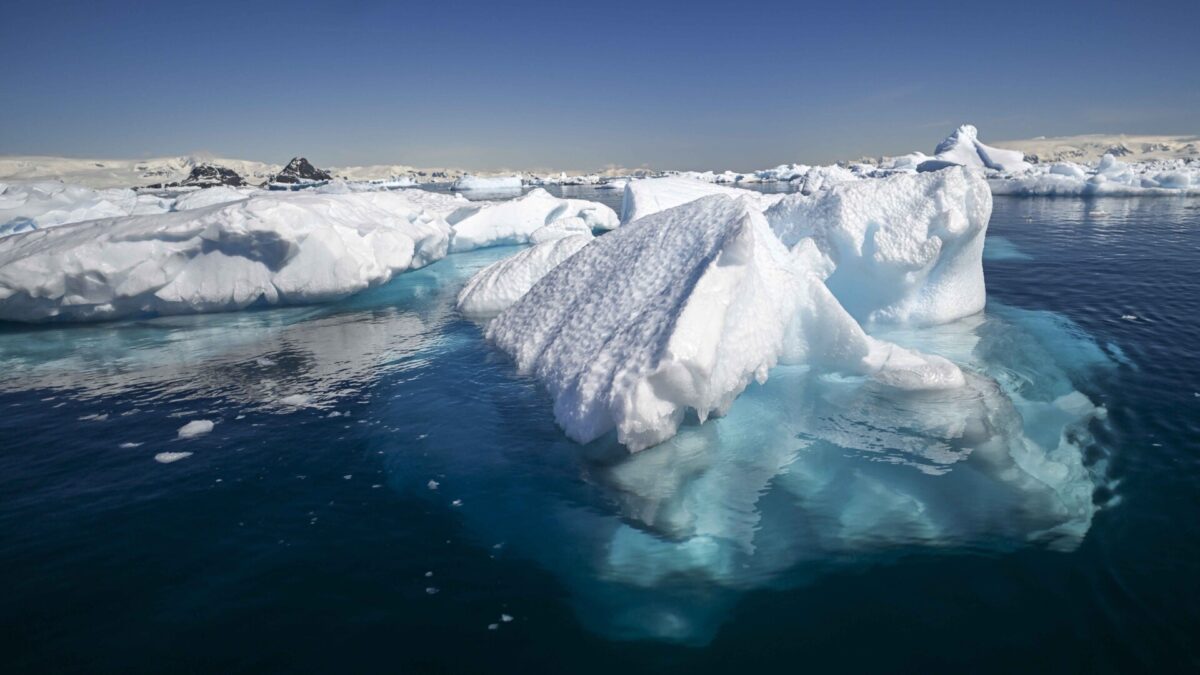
(168, 457)
(128, 445)
(195, 428)
(432, 484)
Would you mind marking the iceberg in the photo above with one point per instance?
(499, 285)
(267, 249)
(480, 224)
(651, 195)
(963, 148)
(905, 248)
(678, 312)
(488, 183)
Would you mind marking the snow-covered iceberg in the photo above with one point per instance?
(480, 224)
(499, 285)
(37, 205)
(963, 148)
(651, 195)
(488, 183)
(678, 312)
(264, 250)
(905, 248)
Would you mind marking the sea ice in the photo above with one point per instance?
(269, 249)
(195, 428)
(488, 183)
(651, 195)
(168, 457)
(517, 221)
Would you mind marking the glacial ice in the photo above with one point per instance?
(499, 285)
(268, 249)
(678, 312)
(37, 205)
(904, 248)
(963, 148)
(651, 195)
(515, 221)
(488, 183)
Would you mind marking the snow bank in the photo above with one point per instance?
(906, 248)
(515, 221)
(269, 249)
(652, 195)
(497, 286)
(679, 311)
(494, 183)
(37, 205)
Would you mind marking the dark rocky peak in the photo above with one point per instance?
(206, 175)
(300, 170)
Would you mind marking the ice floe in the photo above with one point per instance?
(517, 220)
(268, 249)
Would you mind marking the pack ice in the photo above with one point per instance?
(679, 311)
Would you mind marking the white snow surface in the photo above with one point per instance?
(652, 195)
(28, 205)
(497, 286)
(472, 182)
(271, 248)
(905, 249)
(480, 224)
(678, 312)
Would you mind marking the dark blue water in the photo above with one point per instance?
(380, 490)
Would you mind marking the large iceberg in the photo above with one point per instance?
(264, 250)
(905, 248)
(678, 312)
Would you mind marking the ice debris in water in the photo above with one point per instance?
(195, 428)
(168, 457)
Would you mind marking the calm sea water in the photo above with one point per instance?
(381, 492)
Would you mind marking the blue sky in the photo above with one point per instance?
(486, 85)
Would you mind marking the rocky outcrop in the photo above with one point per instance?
(206, 175)
(300, 170)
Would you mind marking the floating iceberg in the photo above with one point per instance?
(264, 250)
(963, 148)
(905, 248)
(488, 183)
(651, 195)
(678, 312)
(515, 221)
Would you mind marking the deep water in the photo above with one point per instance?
(380, 491)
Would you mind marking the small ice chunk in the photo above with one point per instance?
(431, 590)
(126, 446)
(432, 484)
(168, 457)
(505, 618)
(195, 428)
(297, 400)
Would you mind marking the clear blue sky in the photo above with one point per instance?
(579, 85)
